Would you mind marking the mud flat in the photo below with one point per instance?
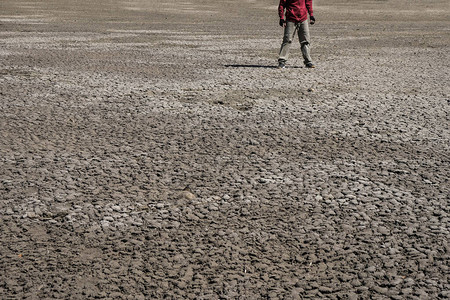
(152, 150)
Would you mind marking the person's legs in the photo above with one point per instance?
(303, 37)
(289, 32)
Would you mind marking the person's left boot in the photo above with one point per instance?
(310, 65)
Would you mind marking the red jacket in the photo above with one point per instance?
(296, 10)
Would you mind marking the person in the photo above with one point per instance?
(294, 18)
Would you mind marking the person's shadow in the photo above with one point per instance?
(259, 66)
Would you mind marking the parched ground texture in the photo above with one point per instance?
(330, 183)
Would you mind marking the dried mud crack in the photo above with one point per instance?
(151, 150)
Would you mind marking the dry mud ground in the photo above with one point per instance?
(327, 183)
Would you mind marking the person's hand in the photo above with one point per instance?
(312, 20)
(282, 22)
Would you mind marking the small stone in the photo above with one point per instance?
(213, 207)
(116, 208)
(383, 230)
(325, 289)
(30, 214)
(187, 195)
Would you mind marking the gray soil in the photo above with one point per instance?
(325, 183)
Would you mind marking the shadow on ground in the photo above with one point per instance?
(259, 66)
